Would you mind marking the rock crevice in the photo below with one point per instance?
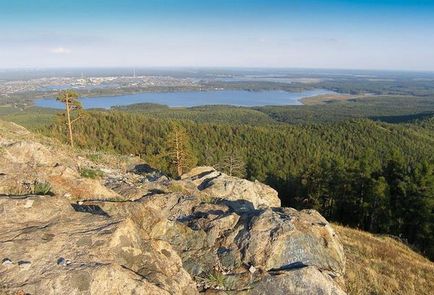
(140, 232)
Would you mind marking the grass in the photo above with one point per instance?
(110, 159)
(41, 188)
(220, 281)
(38, 188)
(95, 157)
(382, 265)
(178, 188)
(209, 199)
(17, 189)
(91, 173)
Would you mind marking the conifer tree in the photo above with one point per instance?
(70, 99)
(233, 164)
(179, 150)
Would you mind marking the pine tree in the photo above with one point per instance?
(233, 164)
(179, 150)
(70, 99)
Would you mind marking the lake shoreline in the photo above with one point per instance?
(243, 98)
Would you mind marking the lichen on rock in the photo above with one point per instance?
(140, 232)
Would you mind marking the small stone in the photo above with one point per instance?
(28, 204)
(24, 264)
(252, 269)
(6, 262)
(63, 262)
(67, 195)
(80, 202)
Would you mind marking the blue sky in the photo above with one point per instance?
(358, 34)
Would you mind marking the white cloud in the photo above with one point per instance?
(60, 50)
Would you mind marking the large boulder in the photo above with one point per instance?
(139, 232)
(306, 280)
(283, 238)
(50, 246)
(216, 184)
(23, 163)
(249, 246)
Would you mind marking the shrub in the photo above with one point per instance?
(209, 199)
(220, 281)
(41, 188)
(91, 173)
(94, 157)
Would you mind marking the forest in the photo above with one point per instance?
(365, 173)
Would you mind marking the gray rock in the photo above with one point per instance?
(217, 184)
(266, 241)
(121, 257)
(7, 262)
(206, 232)
(63, 262)
(24, 264)
(306, 281)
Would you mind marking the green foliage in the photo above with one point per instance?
(69, 97)
(393, 109)
(91, 173)
(94, 157)
(209, 199)
(179, 151)
(220, 281)
(391, 84)
(203, 114)
(367, 174)
(41, 188)
(32, 118)
(395, 198)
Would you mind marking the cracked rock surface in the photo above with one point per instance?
(135, 231)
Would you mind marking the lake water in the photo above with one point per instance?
(194, 98)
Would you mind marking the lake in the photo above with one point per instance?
(193, 98)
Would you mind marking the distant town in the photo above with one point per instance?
(88, 83)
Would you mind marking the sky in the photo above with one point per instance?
(358, 34)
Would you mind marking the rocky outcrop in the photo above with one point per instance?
(216, 184)
(58, 248)
(140, 232)
(22, 163)
(250, 248)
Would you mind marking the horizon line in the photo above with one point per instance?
(37, 68)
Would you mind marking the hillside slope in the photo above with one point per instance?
(73, 226)
(383, 265)
(86, 223)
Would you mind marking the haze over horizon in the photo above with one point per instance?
(336, 34)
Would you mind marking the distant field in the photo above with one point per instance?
(327, 98)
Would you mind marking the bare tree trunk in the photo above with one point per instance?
(71, 140)
(178, 155)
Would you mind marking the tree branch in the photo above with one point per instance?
(79, 117)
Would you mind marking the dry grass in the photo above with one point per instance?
(382, 265)
(110, 159)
